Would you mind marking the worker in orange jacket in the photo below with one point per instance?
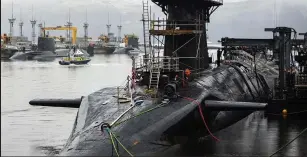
(187, 74)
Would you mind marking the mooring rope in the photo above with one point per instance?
(284, 146)
(106, 127)
(113, 144)
(280, 114)
(139, 114)
(120, 143)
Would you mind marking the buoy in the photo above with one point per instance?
(284, 112)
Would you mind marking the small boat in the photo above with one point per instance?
(75, 57)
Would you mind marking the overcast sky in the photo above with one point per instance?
(55, 13)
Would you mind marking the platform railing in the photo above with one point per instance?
(173, 27)
(165, 63)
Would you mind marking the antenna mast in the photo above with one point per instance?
(21, 24)
(33, 22)
(85, 29)
(108, 25)
(69, 24)
(119, 30)
(11, 21)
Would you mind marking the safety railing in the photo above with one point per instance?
(164, 63)
(174, 27)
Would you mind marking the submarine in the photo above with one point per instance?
(45, 51)
(137, 120)
(177, 99)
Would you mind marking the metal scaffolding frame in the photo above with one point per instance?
(191, 30)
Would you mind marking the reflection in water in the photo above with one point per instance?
(255, 135)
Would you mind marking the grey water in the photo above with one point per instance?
(33, 130)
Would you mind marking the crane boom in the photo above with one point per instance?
(74, 31)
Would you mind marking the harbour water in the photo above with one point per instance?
(34, 130)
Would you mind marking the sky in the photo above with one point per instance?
(125, 12)
(55, 13)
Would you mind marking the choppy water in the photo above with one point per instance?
(34, 130)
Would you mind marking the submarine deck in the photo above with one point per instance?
(174, 118)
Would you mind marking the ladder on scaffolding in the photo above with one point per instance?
(154, 67)
(146, 24)
(154, 75)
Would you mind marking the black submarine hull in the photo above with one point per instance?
(168, 124)
(34, 55)
(6, 53)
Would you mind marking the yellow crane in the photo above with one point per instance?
(60, 38)
(73, 29)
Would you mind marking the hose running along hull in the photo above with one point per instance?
(178, 122)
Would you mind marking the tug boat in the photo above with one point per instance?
(76, 57)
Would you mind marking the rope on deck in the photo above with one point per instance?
(139, 114)
(106, 127)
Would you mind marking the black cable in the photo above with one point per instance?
(284, 146)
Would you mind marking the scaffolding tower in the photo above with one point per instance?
(184, 35)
